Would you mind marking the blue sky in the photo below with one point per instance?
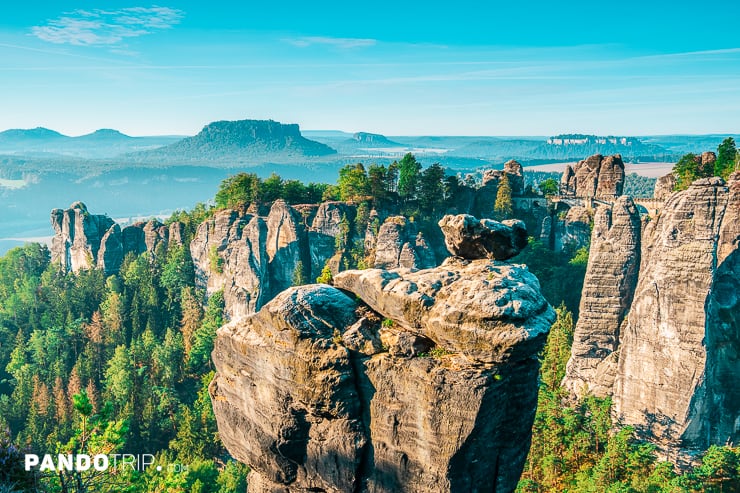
(398, 68)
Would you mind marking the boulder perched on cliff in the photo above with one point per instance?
(608, 288)
(595, 176)
(314, 393)
(471, 238)
(77, 236)
(399, 244)
(677, 359)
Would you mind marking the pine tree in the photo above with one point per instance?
(503, 208)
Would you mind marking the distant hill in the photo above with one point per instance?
(372, 140)
(17, 135)
(105, 134)
(254, 141)
(105, 143)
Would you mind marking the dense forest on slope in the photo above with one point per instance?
(576, 448)
(121, 364)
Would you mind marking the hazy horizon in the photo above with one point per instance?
(396, 69)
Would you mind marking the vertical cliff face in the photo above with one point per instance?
(77, 235)
(286, 247)
(683, 336)
(399, 244)
(608, 288)
(428, 384)
(229, 253)
(85, 241)
(671, 366)
(330, 225)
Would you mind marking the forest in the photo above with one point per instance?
(121, 364)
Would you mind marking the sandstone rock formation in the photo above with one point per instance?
(85, 241)
(485, 196)
(331, 222)
(678, 353)
(399, 244)
(468, 237)
(77, 236)
(595, 176)
(664, 186)
(316, 394)
(569, 229)
(286, 241)
(229, 253)
(611, 277)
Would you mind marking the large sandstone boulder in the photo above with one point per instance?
(314, 393)
(608, 288)
(471, 238)
(595, 176)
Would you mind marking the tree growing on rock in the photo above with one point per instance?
(503, 207)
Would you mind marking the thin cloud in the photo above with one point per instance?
(106, 27)
(342, 43)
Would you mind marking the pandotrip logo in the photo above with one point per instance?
(98, 462)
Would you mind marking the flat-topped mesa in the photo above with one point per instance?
(595, 176)
(472, 238)
(397, 380)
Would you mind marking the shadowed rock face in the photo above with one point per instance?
(611, 277)
(671, 367)
(468, 237)
(315, 393)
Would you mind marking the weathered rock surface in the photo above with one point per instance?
(569, 230)
(315, 394)
(678, 355)
(286, 242)
(468, 237)
(77, 236)
(85, 241)
(484, 198)
(229, 253)
(664, 186)
(595, 176)
(327, 225)
(399, 244)
(608, 288)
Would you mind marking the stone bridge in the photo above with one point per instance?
(651, 207)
